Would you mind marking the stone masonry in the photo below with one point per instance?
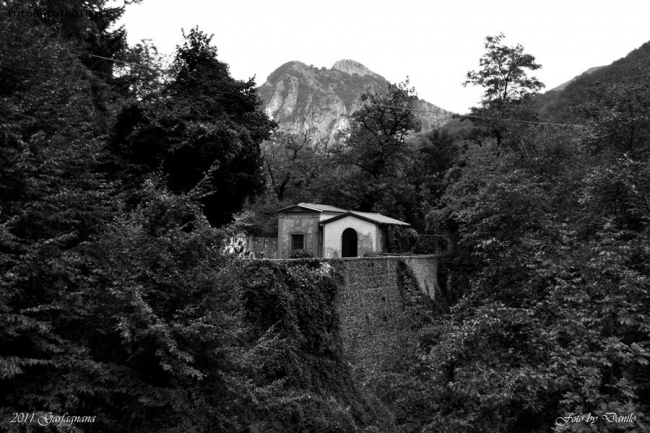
(370, 304)
(263, 247)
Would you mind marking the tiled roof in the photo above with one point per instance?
(381, 219)
(315, 207)
(323, 207)
(368, 216)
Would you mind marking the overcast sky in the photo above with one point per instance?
(433, 42)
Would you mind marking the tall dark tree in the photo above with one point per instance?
(203, 132)
(291, 161)
(377, 153)
(436, 153)
(548, 275)
(619, 140)
(86, 23)
(127, 312)
(503, 73)
(54, 199)
(379, 130)
(508, 88)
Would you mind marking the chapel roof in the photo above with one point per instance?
(315, 207)
(376, 218)
(373, 217)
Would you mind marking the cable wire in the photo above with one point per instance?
(417, 110)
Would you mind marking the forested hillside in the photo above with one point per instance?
(119, 179)
(548, 263)
(565, 105)
(121, 176)
(116, 304)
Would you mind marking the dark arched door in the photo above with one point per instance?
(349, 243)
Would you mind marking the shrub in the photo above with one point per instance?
(301, 254)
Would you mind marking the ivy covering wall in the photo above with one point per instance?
(399, 239)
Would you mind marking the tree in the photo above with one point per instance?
(55, 199)
(506, 100)
(379, 129)
(548, 273)
(377, 153)
(125, 310)
(203, 132)
(504, 73)
(291, 161)
(436, 153)
(143, 73)
(296, 169)
(619, 140)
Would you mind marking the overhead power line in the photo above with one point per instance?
(572, 125)
(128, 63)
(417, 110)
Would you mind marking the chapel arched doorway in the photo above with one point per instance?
(349, 243)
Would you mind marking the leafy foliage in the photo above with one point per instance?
(381, 166)
(548, 276)
(303, 378)
(565, 105)
(292, 163)
(506, 103)
(376, 150)
(399, 239)
(380, 128)
(115, 299)
(204, 132)
(503, 73)
(301, 254)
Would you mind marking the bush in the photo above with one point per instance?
(301, 254)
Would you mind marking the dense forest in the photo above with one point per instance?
(121, 176)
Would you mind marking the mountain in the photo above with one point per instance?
(587, 72)
(559, 104)
(300, 97)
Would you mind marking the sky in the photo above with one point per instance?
(432, 42)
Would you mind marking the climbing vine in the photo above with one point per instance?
(301, 381)
(399, 239)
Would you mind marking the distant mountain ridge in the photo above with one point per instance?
(587, 72)
(560, 104)
(301, 97)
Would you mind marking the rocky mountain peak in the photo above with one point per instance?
(352, 67)
(320, 100)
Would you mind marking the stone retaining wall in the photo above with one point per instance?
(370, 304)
(263, 247)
